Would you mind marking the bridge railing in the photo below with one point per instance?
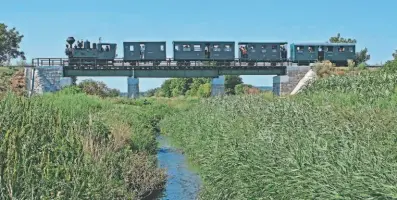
(48, 61)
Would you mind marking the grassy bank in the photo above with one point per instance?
(72, 146)
(335, 141)
(12, 79)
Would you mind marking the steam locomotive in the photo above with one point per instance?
(223, 52)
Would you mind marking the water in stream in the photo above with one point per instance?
(182, 183)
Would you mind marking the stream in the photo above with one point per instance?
(182, 183)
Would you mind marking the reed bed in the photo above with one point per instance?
(336, 140)
(71, 146)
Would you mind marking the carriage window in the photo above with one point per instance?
(197, 47)
(243, 47)
(131, 47)
(251, 47)
(176, 47)
(186, 47)
(320, 48)
(228, 48)
(161, 47)
(299, 49)
(329, 49)
(216, 48)
(105, 47)
(274, 48)
(341, 49)
(311, 49)
(351, 49)
(263, 48)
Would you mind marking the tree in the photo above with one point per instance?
(151, 92)
(113, 92)
(239, 89)
(391, 65)
(361, 56)
(194, 86)
(197, 82)
(166, 88)
(230, 83)
(204, 90)
(98, 88)
(339, 39)
(246, 89)
(9, 44)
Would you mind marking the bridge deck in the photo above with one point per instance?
(164, 69)
(118, 63)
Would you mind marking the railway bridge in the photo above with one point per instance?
(287, 76)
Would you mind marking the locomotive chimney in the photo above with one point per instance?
(70, 41)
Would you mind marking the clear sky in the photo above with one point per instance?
(46, 24)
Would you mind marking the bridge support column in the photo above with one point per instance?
(74, 80)
(284, 85)
(218, 86)
(133, 87)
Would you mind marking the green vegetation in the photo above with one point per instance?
(336, 140)
(9, 44)
(5, 77)
(12, 79)
(69, 145)
(200, 87)
(97, 88)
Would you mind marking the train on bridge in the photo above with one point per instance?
(222, 53)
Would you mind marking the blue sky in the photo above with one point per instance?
(46, 24)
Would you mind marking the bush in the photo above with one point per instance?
(334, 141)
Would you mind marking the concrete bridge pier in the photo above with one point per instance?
(74, 80)
(218, 86)
(284, 85)
(133, 87)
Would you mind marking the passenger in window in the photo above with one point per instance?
(243, 51)
(107, 48)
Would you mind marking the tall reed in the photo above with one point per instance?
(72, 146)
(337, 140)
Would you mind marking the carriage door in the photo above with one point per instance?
(207, 51)
(142, 52)
(320, 56)
(283, 52)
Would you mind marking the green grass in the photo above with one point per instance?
(72, 146)
(337, 140)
